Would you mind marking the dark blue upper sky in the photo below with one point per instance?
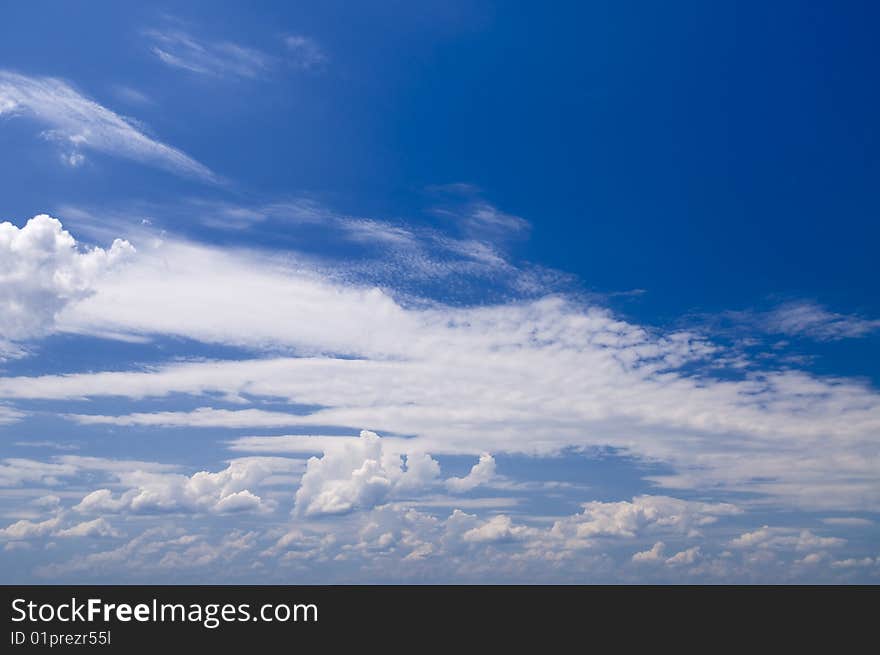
(709, 153)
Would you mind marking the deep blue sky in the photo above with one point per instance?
(645, 142)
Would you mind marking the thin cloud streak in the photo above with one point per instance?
(79, 123)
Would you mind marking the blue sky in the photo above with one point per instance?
(439, 292)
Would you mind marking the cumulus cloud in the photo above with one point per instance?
(222, 492)
(395, 542)
(122, 556)
(25, 529)
(79, 123)
(642, 514)
(497, 529)
(481, 473)
(684, 557)
(42, 270)
(653, 554)
(361, 474)
(98, 527)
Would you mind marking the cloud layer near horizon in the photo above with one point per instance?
(523, 377)
(540, 377)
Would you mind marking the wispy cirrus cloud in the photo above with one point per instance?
(809, 319)
(79, 123)
(464, 206)
(805, 319)
(304, 52)
(182, 50)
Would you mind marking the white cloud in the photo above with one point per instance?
(178, 49)
(98, 527)
(481, 473)
(684, 557)
(806, 319)
(812, 320)
(7, 414)
(80, 123)
(131, 556)
(49, 501)
(221, 492)
(42, 270)
(304, 52)
(784, 538)
(203, 553)
(395, 542)
(642, 514)
(653, 554)
(361, 474)
(25, 529)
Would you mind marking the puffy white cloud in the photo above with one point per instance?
(642, 514)
(498, 528)
(395, 542)
(304, 52)
(653, 554)
(684, 557)
(179, 49)
(43, 269)
(361, 473)
(79, 123)
(481, 473)
(98, 527)
(202, 553)
(25, 529)
(812, 559)
(49, 500)
(130, 556)
(221, 492)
